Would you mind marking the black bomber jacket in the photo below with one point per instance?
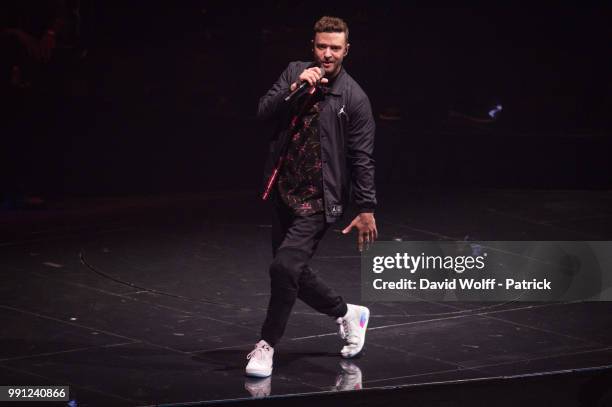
(346, 128)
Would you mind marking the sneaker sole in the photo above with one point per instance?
(365, 331)
(258, 373)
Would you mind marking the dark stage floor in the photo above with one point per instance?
(147, 300)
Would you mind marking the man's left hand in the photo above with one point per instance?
(366, 227)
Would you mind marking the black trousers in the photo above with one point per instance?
(294, 242)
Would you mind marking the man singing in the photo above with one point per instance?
(320, 155)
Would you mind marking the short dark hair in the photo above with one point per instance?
(327, 24)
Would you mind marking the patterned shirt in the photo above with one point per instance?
(300, 182)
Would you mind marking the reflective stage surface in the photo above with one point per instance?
(139, 301)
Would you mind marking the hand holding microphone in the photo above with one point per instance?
(308, 78)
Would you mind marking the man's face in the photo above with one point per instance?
(329, 51)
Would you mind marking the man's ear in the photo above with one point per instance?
(312, 45)
(346, 49)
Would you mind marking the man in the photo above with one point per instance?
(324, 140)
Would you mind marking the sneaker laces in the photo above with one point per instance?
(342, 327)
(345, 332)
(258, 351)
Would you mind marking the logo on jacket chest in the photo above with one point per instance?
(335, 210)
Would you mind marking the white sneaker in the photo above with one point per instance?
(352, 328)
(260, 360)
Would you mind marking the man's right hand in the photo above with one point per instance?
(310, 75)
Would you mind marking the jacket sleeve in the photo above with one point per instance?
(360, 150)
(272, 103)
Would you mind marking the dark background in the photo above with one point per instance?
(160, 97)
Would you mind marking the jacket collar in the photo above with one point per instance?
(339, 83)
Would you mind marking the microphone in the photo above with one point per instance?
(303, 86)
